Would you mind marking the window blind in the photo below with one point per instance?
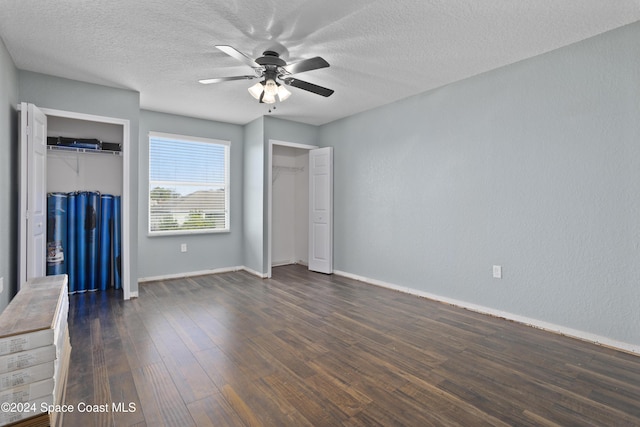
(188, 184)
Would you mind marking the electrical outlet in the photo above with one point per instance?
(183, 247)
(497, 272)
(1, 284)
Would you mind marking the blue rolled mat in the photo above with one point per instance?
(56, 233)
(106, 230)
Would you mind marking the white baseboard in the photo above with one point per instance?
(191, 274)
(254, 272)
(281, 263)
(562, 330)
(200, 273)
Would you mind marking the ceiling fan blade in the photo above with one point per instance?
(310, 87)
(225, 79)
(238, 55)
(306, 65)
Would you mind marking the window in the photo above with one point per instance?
(188, 184)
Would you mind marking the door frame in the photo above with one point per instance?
(126, 184)
(269, 186)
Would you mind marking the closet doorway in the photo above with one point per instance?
(288, 204)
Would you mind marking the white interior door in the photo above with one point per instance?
(33, 192)
(321, 210)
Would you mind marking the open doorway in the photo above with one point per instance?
(288, 204)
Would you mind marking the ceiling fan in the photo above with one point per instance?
(275, 74)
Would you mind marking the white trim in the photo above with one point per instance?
(191, 274)
(269, 185)
(126, 217)
(200, 273)
(83, 116)
(176, 137)
(22, 231)
(292, 144)
(255, 273)
(282, 262)
(546, 326)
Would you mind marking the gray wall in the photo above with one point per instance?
(253, 196)
(535, 167)
(160, 255)
(288, 131)
(8, 176)
(69, 95)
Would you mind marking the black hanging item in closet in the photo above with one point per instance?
(72, 244)
(117, 242)
(81, 240)
(93, 239)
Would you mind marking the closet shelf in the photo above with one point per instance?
(83, 150)
(277, 170)
(288, 168)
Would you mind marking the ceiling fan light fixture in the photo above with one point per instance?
(268, 98)
(256, 90)
(270, 88)
(283, 93)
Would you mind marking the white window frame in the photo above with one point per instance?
(227, 152)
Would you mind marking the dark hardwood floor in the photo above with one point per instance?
(305, 349)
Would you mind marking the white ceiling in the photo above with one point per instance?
(379, 51)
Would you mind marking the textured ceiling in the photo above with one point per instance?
(379, 51)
